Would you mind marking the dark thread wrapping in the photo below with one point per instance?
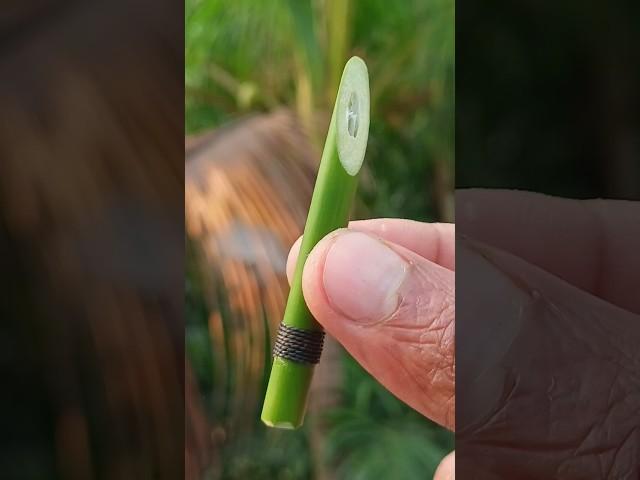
(302, 346)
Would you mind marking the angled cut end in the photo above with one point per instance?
(281, 425)
(352, 115)
(285, 401)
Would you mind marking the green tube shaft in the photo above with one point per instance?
(287, 392)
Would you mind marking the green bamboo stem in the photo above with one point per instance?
(336, 183)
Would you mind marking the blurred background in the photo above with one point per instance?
(547, 97)
(260, 82)
(91, 240)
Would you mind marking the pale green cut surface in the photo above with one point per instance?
(352, 115)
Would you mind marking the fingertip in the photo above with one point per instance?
(312, 277)
(292, 258)
(447, 468)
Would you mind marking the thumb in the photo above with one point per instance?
(447, 468)
(393, 311)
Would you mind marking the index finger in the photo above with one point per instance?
(591, 244)
(432, 241)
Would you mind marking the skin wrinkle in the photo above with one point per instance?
(423, 381)
(426, 381)
(609, 367)
(426, 290)
(599, 452)
(423, 312)
(434, 321)
(486, 422)
(628, 438)
(434, 315)
(593, 428)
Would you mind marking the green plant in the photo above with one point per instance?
(335, 187)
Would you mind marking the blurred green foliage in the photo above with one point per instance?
(244, 56)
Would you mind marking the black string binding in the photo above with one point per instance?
(302, 346)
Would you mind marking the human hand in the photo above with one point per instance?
(550, 327)
(385, 289)
(547, 338)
